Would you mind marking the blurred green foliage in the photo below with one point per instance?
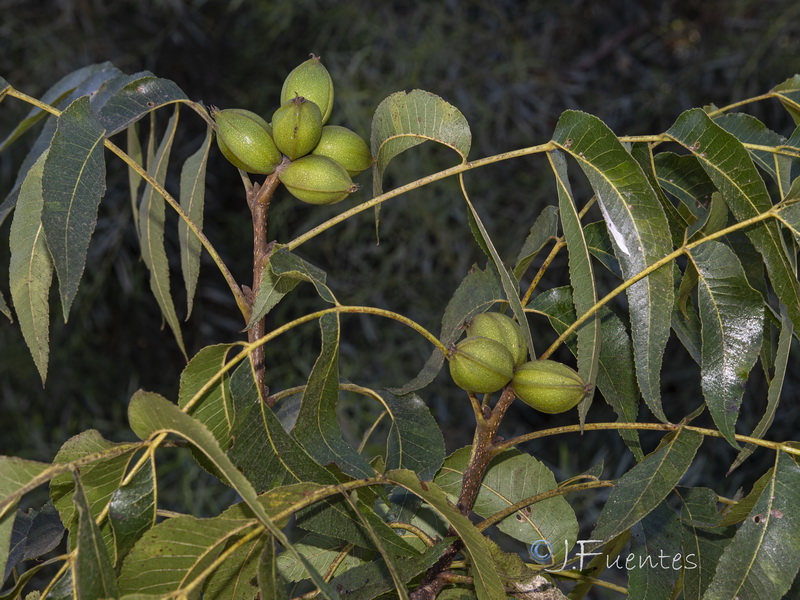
(510, 66)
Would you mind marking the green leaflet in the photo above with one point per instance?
(192, 200)
(132, 510)
(31, 268)
(152, 215)
(93, 575)
(762, 561)
(730, 167)
(639, 232)
(317, 428)
(73, 182)
(544, 229)
(732, 321)
(581, 275)
(642, 489)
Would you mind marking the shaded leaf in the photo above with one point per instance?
(544, 229)
(192, 200)
(134, 147)
(656, 547)
(478, 291)
(616, 376)
(749, 130)
(415, 441)
(92, 573)
(269, 581)
(599, 244)
(317, 427)
(132, 510)
(45, 533)
(510, 478)
(643, 488)
(4, 309)
(788, 92)
(731, 169)
(31, 268)
(487, 581)
(581, 276)
(152, 215)
(684, 177)
(320, 551)
(73, 182)
(732, 319)
(640, 235)
(370, 580)
(762, 561)
(131, 100)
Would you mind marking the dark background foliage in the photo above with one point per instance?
(511, 67)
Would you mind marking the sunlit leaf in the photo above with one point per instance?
(31, 268)
(73, 182)
(732, 319)
(320, 551)
(640, 235)
(192, 200)
(510, 478)
(642, 489)
(152, 215)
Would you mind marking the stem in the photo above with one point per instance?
(259, 199)
(465, 166)
(484, 449)
(642, 426)
(560, 243)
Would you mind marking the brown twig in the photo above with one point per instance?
(484, 449)
(258, 198)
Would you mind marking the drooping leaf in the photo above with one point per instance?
(581, 275)
(616, 377)
(31, 268)
(175, 552)
(215, 407)
(732, 170)
(732, 319)
(487, 581)
(58, 92)
(762, 560)
(640, 235)
(317, 427)
(269, 580)
(132, 510)
(152, 215)
(192, 200)
(510, 478)
(93, 575)
(656, 547)
(73, 182)
(135, 96)
(284, 271)
(510, 285)
(150, 414)
(134, 147)
(643, 488)
(406, 119)
(415, 441)
(475, 294)
(544, 229)
(774, 392)
(14, 547)
(738, 512)
(4, 309)
(45, 533)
